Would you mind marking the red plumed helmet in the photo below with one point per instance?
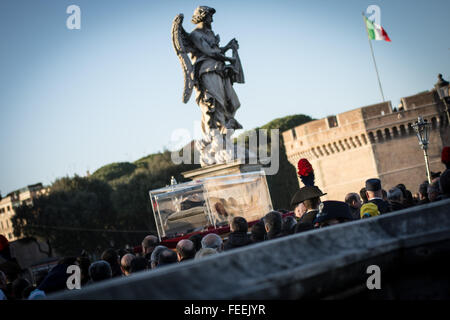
(445, 157)
(304, 167)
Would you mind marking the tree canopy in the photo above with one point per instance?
(112, 206)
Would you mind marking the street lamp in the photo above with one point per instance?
(422, 129)
(442, 87)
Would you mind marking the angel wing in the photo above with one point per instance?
(183, 45)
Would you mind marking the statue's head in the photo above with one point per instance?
(201, 13)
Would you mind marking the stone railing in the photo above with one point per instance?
(330, 262)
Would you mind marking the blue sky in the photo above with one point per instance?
(75, 100)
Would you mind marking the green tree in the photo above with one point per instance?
(284, 184)
(114, 171)
(76, 215)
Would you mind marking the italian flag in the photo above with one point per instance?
(375, 32)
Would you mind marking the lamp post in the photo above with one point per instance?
(442, 87)
(422, 129)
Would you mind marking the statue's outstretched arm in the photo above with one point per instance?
(233, 43)
(206, 49)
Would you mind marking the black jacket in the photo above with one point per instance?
(305, 223)
(395, 206)
(236, 240)
(356, 213)
(382, 205)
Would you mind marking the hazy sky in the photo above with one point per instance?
(75, 100)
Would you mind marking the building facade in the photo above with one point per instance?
(374, 141)
(14, 199)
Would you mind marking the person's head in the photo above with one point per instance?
(238, 224)
(100, 270)
(312, 204)
(155, 255)
(369, 210)
(197, 240)
(203, 14)
(423, 191)
(363, 195)
(258, 232)
(125, 263)
(373, 189)
(331, 213)
(288, 225)
(435, 175)
(220, 209)
(203, 252)
(272, 224)
(395, 195)
(213, 241)
(167, 256)
(434, 190)
(110, 256)
(384, 195)
(309, 196)
(408, 200)
(402, 187)
(83, 262)
(185, 250)
(444, 183)
(18, 286)
(138, 264)
(299, 210)
(149, 243)
(353, 200)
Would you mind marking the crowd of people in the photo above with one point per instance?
(309, 213)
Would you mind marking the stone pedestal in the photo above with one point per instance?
(237, 166)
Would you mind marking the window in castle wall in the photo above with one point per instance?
(410, 129)
(379, 135)
(336, 147)
(395, 132)
(387, 134)
(352, 142)
(346, 143)
(330, 147)
(433, 123)
(358, 141)
(320, 151)
(402, 130)
(332, 122)
(325, 149)
(342, 145)
(294, 134)
(363, 136)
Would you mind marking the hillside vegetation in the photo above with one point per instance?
(112, 206)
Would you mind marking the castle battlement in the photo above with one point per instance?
(371, 141)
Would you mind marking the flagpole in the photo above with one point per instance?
(373, 57)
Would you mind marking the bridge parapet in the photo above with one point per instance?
(329, 262)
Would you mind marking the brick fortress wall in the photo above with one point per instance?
(372, 141)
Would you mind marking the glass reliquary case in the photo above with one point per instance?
(183, 208)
